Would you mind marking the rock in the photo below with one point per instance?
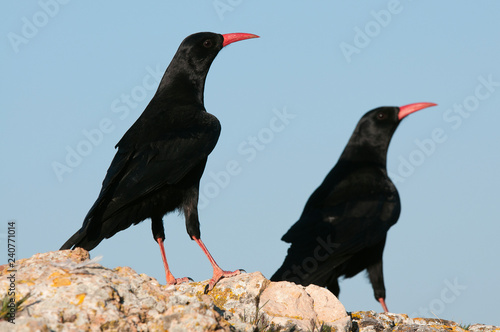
(70, 292)
(288, 304)
(369, 321)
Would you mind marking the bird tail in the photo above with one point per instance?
(292, 268)
(306, 270)
(311, 262)
(284, 273)
(86, 237)
(70, 244)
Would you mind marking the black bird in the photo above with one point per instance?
(161, 158)
(344, 225)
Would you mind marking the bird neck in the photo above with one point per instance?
(366, 154)
(182, 85)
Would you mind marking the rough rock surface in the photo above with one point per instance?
(369, 321)
(70, 292)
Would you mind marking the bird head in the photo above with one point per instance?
(189, 67)
(200, 49)
(373, 133)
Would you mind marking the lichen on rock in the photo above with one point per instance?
(70, 292)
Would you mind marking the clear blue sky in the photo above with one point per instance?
(76, 75)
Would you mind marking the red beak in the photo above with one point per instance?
(408, 109)
(234, 37)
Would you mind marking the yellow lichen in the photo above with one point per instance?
(60, 281)
(80, 297)
(356, 315)
(447, 327)
(27, 282)
(57, 274)
(221, 296)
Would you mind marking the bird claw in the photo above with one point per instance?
(218, 275)
(206, 290)
(177, 281)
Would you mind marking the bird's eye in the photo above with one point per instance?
(207, 43)
(381, 116)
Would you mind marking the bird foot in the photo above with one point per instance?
(177, 281)
(384, 306)
(218, 275)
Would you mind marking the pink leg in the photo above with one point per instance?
(170, 278)
(382, 302)
(218, 272)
